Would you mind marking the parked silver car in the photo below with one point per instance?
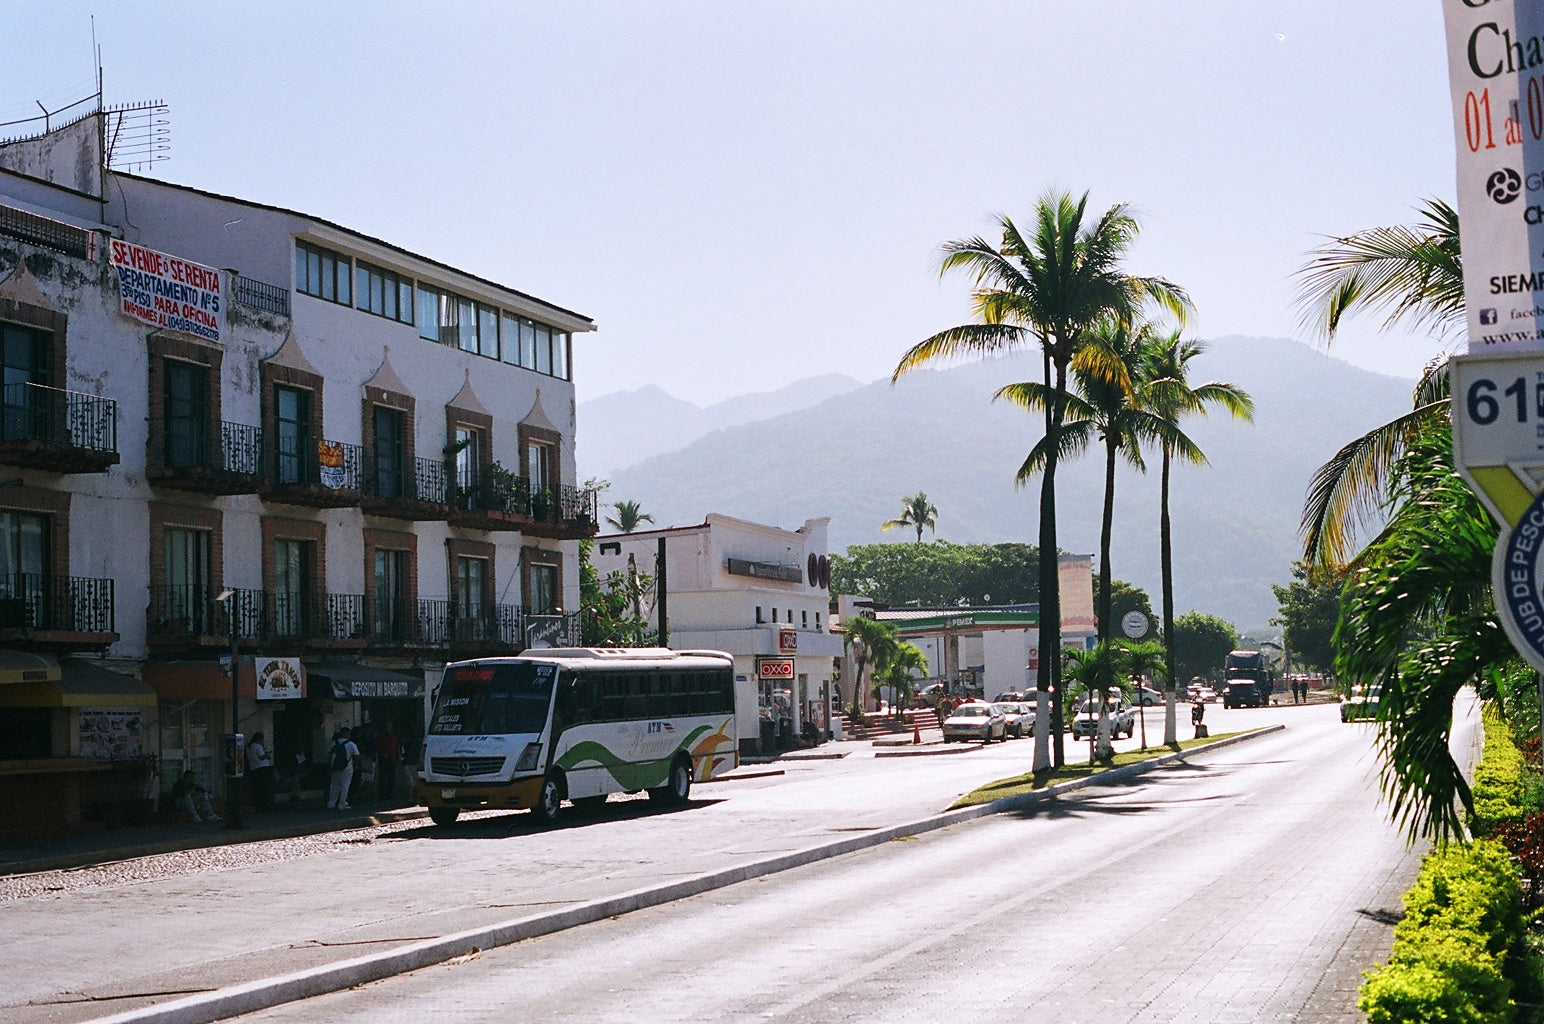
(1020, 717)
(1123, 719)
(976, 720)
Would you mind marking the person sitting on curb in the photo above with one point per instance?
(192, 799)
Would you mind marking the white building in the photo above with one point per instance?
(225, 423)
(759, 592)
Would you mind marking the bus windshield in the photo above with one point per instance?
(490, 700)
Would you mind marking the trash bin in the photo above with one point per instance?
(768, 735)
(785, 734)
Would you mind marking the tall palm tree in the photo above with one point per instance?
(870, 642)
(1169, 394)
(916, 511)
(629, 516)
(1046, 288)
(1104, 406)
(1415, 275)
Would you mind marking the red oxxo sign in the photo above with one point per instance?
(775, 668)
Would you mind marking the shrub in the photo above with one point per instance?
(1501, 788)
(1458, 952)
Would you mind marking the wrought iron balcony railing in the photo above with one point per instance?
(74, 604)
(70, 419)
(190, 612)
(225, 447)
(305, 460)
(429, 481)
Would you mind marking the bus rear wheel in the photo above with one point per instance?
(444, 815)
(677, 787)
(550, 800)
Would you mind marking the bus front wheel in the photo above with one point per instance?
(444, 815)
(550, 800)
(677, 787)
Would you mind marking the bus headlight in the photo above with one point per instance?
(529, 758)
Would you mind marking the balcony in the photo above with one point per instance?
(502, 501)
(62, 613)
(312, 471)
(468, 630)
(60, 431)
(192, 618)
(221, 458)
(424, 496)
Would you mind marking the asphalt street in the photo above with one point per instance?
(240, 915)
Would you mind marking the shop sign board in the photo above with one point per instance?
(1498, 448)
(787, 641)
(109, 734)
(168, 291)
(279, 678)
(1496, 76)
(774, 668)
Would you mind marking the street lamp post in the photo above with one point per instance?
(233, 792)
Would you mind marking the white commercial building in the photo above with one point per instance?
(760, 593)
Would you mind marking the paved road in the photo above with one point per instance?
(109, 941)
(1254, 884)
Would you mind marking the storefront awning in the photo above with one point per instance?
(347, 681)
(27, 667)
(80, 685)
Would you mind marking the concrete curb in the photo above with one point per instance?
(235, 1000)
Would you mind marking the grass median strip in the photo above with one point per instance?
(1029, 783)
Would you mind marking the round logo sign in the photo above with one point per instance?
(1133, 624)
(1504, 185)
(1515, 578)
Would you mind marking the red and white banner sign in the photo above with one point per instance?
(1496, 72)
(775, 668)
(165, 291)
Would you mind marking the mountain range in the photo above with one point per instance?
(832, 446)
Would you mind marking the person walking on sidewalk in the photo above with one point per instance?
(388, 758)
(340, 762)
(261, 762)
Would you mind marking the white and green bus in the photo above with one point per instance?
(577, 724)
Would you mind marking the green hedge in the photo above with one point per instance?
(1458, 951)
(1501, 785)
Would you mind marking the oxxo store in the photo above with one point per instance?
(793, 687)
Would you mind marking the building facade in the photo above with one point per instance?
(231, 428)
(757, 592)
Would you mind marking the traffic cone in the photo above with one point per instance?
(916, 731)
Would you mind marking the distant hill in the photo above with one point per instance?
(625, 427)
(852, 458)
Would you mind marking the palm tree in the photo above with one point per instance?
(916, 511)
(1095, 673)
(1170, 396)
(897, 672)
(629, 516)
(1046, 288)
(1144, 659)
(870, 642)
(1415, 274)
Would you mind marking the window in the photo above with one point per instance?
(186, 413)
(543, 349)
(509, 330)
(538, 466)
(759, 619)
(189, 594)
(471, 598)
(466, 321)
(383, 293)
(389, 590)
(528, 344)
(24, 579)
(468, 458)
(295, 448)
(487, 331)
(292, 561)
(439, 316)
(544, 589)
(24, 353)
(560, 354)
(322, 273)
(389, 451)
(804, 620)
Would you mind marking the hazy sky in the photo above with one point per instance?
(745, 193)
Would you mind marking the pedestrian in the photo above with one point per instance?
(341, 759)
(192, 799)
(260, 762)
(364, 763)
(388, 761)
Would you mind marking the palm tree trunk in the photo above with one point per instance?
(1166, 571)
(1048, 723)
(1106, 530)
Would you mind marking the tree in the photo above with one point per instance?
(1309, 608)
(1046, 288)
(1145, 659)
(1126, 598)
(1170, 395)
(1415, 274)
(1096, 673)
(916, 511)
(901, 667)
(870, 642)
(629, 516)
(610, 606)
(1201, 645)
(938, 573)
